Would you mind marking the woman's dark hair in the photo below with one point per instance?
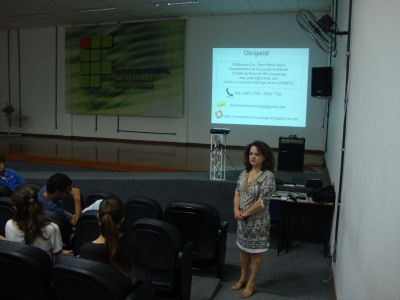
(2, 159)
(111, 212)
(29, 214)
(265, 150)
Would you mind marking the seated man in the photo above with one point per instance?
(51, 195)
(9, 179)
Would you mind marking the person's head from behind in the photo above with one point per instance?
(265, 151)
(59, 184)
(29, 214)
(110, 216)
(2, 163)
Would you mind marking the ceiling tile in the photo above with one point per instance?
(66, 12)
(87, 5)
(150, 14)
(275, 7)
(138, 8)
(315, 6)
(231, 9)
(125, 2)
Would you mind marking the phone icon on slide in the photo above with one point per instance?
(229, 94)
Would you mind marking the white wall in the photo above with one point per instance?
(44, 115)
(367, 266)
(38, 81)
(333, 156)
(9, 74)
(4, 68)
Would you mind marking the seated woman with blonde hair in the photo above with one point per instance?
(29, 225)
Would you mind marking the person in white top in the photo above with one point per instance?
(29, 225)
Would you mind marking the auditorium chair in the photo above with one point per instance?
(35, 185)
(200, 223)
(66, 230)
(140, 207)
(81, 279)
(69, 203)
(6, 213)
(94, 196)
(87, 229)
(24, 271)
(168, 259)
(5, 191)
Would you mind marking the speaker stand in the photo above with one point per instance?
(217, 156)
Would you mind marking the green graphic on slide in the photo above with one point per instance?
(126, 69)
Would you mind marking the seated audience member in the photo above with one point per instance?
(94, 206)
(56, 188)
(9, 179)
(121, 250)
(29, 225)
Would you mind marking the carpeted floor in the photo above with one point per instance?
(298, 274)
(303, 274)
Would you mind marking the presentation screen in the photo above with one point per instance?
(260, 86)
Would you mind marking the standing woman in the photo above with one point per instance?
(255, 186)
(121, 250)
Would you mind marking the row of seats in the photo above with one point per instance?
(28, 272)
(139, 206)
(195, 222)
(185, 237)
(168, 258)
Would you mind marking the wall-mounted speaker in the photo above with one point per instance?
(291, 153)
(321, 82)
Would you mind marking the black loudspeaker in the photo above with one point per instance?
(321, 82)
(291, 153)
(325, 194)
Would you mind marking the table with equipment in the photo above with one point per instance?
(303, 219)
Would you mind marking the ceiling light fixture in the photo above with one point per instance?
(176, 3)
(96, 9)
